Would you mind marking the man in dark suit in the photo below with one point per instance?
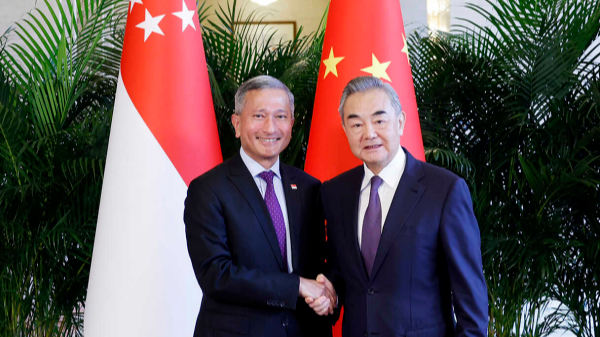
(405, 245)
(254, 228)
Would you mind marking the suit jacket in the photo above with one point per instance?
(428, 263)
(236, 258)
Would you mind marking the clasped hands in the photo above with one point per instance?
(319, 294)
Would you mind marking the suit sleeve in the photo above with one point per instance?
(462, 247)
(333, 270)
(218, 276)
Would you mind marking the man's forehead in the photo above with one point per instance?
(370, 97)
(266, 99)
(368, 104)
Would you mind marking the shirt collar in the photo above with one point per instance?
(390, 174)
(255, 168)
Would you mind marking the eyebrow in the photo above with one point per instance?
(276, 111)
(376, 113)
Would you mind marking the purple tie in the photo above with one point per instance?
(371, 230)
(276, 214)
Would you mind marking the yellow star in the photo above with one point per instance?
(378, 69)
(405, 49)
(331, 64)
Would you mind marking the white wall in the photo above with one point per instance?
(458, 11)
(414, 14)
(14, 10)
(308, 13)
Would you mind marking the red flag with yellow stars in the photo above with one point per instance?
(363, 37)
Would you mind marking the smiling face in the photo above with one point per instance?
(265, 125)
(373, 128)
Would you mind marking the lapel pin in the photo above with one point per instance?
(294, 187)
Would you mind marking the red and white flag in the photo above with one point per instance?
(362, 38)
(163, 135)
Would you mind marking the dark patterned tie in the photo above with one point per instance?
(371, 230)
(276, 214)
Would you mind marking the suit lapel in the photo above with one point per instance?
(405, 199)
(350, 203)
(293, 204)
(241, 178)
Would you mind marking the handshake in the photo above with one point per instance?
(319, 294)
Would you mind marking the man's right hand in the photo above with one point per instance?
(311, 288)
(326, 301)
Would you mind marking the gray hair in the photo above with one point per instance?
(366, 83)
(260, 83)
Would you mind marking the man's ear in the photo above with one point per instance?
(235, 120)
(401, 122)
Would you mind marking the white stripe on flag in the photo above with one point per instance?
(141, 280)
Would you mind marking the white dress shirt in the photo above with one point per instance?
(255, 169)
(390, 175)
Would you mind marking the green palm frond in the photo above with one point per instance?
(448, 158)
(61, 80)
(56, 71)
(518, 98)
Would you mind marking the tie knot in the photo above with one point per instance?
(267, 176)
(376, 181)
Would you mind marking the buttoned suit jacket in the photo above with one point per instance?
(428, 263)
(236, 257)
